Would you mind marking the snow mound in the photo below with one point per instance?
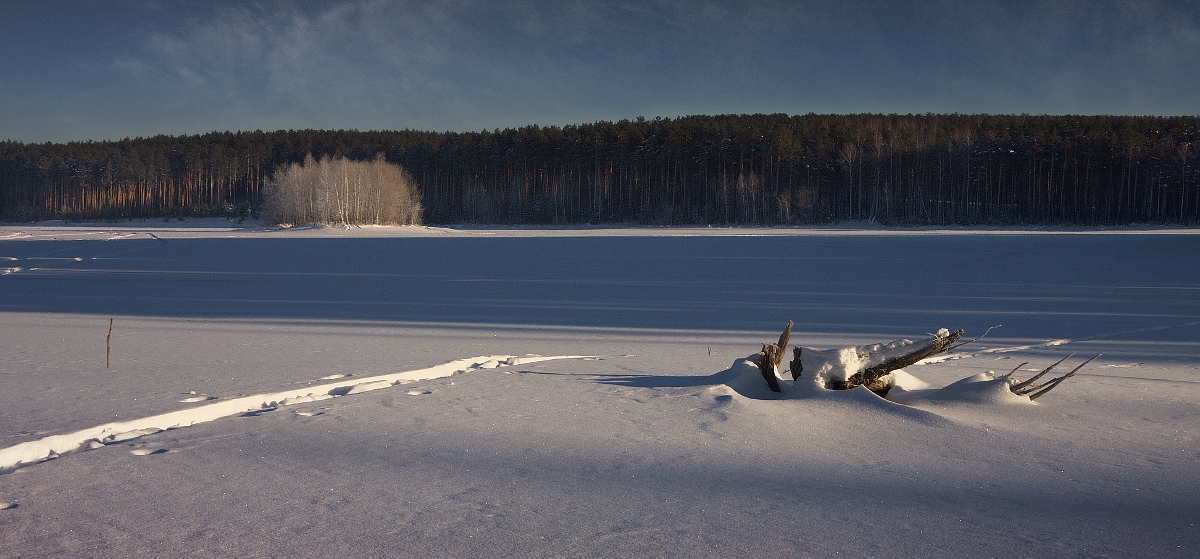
(821, 367)
(746, 379)
(983, 388)
(903, 382)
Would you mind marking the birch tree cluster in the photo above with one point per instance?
(343, 192)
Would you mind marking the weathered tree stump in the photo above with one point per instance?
(771, 356)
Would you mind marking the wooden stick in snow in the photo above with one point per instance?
(1018, 387)
(1015, 369)
(108, 345)
(1052, 384)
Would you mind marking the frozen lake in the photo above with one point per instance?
(1080, 285)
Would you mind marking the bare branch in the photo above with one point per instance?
(1020, 385)
(985, 332)
(1052, 384)
(1015, 369)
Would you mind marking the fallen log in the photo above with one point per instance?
(871, 365)
(873, 377)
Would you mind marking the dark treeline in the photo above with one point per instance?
(732, 169)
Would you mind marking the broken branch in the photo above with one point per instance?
(1054, 383)
(1018, 387)
(771, 356)
(1015, 369)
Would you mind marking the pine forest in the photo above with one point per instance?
(696, 170)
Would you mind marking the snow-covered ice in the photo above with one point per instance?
(380, 392)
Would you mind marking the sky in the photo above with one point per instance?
(104, 70)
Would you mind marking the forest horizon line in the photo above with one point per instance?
(757, 169)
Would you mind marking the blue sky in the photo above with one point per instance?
(100, 69)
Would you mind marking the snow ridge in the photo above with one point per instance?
(48, 448)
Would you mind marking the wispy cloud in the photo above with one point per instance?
(471, 64)
(271, 59)
(465, 61)
(459, 60)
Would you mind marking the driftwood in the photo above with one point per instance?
(771, 356)
(875, 377)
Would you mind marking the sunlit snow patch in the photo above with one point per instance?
(983, 388)
(51, 447)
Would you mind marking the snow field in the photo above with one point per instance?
(668, 443)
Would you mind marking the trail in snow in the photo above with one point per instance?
(47, 448)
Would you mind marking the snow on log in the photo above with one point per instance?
(872, 376)
(867, 365)
(872, 365)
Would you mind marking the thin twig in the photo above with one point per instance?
(985, 332)
(1015, 369)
